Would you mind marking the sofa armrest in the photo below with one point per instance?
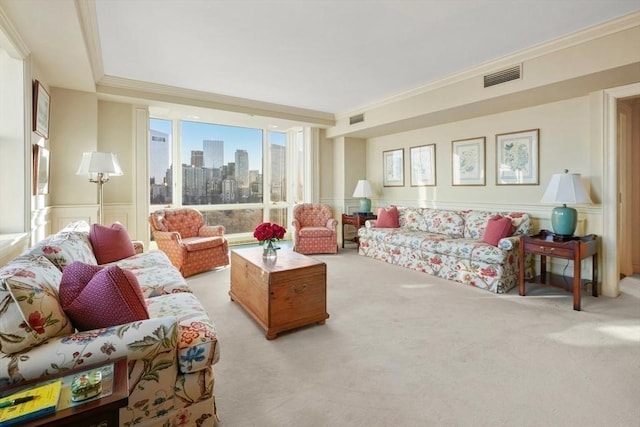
(167, 235)
(211, 231)
(370, 223)
(332, 224)
(138, 246)
(509, 243)
(141, 340)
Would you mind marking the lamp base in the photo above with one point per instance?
(365, 205)
(564, 221)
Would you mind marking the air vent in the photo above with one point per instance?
(356, 119)
(502, 76)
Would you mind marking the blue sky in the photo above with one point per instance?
(193, 133)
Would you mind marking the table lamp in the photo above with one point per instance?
(363, 189)
(99, 167)
(565, 188)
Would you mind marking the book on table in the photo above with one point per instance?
(43, 401)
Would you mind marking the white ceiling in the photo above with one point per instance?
(324, 55)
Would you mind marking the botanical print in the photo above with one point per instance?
(423, 165)
(468, 161)
(517, 157)
(393, 168)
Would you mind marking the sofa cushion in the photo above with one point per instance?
(155, 274)
(432, 220)
(387, 218)
(198, 342)
(110, 243)
(64, 247)
(498, 227)
(95, 297)
(31, 312)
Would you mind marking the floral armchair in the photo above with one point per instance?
(315, 229)
(192, 246)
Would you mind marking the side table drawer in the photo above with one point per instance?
(542, 249)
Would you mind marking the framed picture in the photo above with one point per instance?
(393, 168)
(423, 165)
(40, 170)
(41, 102)
(468, 157)
(517, 158)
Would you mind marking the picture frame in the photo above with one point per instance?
(40, 170)
(468, 157)
(393, 168)
(423, 165)
(517, 157)
(41, 105)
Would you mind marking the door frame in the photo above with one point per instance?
(610, 187)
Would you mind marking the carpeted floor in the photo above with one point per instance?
(403, 348)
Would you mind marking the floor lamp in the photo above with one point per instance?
(99, 167)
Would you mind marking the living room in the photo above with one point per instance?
(568, 89)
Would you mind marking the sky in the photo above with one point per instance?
(193, 133)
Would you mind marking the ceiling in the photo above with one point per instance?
(321, 55)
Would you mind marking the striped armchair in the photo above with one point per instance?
(192, 246)
(315, 229)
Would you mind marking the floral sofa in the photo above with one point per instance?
(170, 354)
(449, 244)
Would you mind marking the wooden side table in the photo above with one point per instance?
(102, 411)
(357, 221)
(575, 248)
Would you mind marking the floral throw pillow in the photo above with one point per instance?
(29, 294)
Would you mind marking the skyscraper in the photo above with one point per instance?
(213, 153)
(197, 158)
(242, 168)
(160, 152)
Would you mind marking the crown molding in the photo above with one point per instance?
(18, 48)
(88, 20)
(598, 31)
(118, 86)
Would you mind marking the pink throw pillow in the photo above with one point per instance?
(387, 218)
(498, 227)
(108, 297)
(110, 243)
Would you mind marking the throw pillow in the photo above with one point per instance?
(110, 243)
(109, 297)
(387, 218)
(498, 227)
(31, 310)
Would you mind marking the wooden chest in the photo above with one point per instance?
(287, 294)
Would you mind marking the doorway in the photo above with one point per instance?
(628, 139)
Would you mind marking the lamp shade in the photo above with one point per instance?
(94, 163)
(363, 189)
(565, 188)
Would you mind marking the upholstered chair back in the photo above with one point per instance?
(186, 221)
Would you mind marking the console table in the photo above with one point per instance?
(357, 221)
(574, 248)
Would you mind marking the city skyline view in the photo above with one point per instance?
(235, 138)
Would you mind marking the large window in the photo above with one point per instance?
(236, 176)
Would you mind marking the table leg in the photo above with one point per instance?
(343, 235)
(576, 280)
(594, 275)
(521, 269)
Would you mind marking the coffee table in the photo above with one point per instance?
(282, 295)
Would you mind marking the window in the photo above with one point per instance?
(222, 173)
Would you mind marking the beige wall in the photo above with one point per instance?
(73, 130)
(564, 143)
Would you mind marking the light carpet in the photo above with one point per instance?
(403, 348)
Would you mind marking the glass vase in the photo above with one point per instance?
(269, 253)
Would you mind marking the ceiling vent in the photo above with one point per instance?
(502, 76)
(359, 118)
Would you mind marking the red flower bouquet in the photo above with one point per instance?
(269, 233)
